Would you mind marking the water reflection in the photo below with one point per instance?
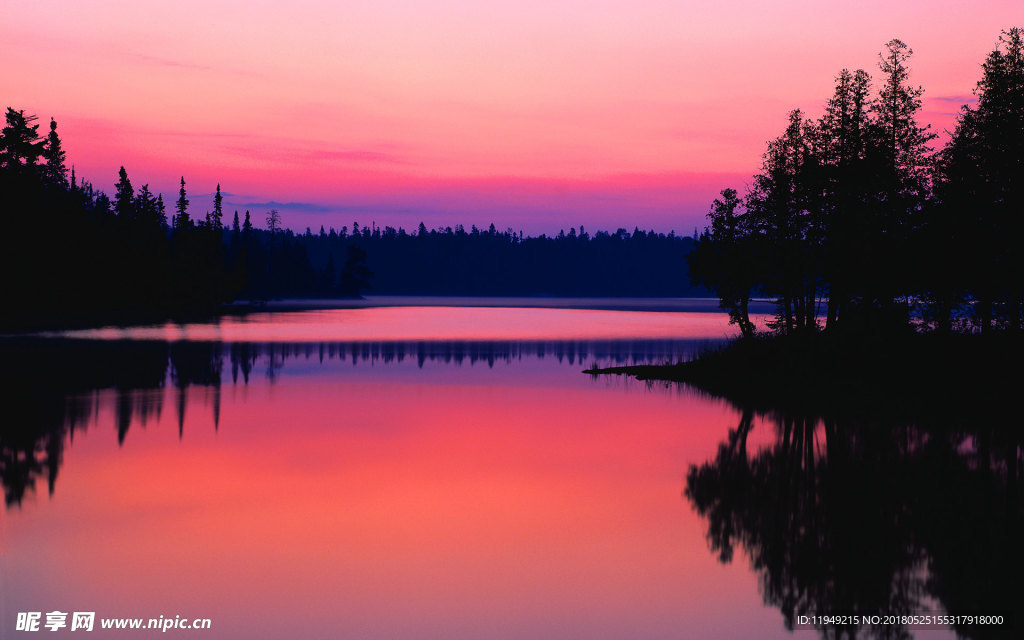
(54, 386)
(844, 515)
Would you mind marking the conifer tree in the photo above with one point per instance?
(146, 206)
(842, 144)
(124, 196)
(723, 259)
(53, 154)
(214, 219)
(273, 222)
(161, 211)
(19, 140)
(902, 143)
(181, 220)
(981, 189)
(902, 166)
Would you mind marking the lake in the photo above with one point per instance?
(426, 472)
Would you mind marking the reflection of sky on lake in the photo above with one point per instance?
(418, 323)
(362, 488)
(386, 499)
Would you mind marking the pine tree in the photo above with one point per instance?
(902, 143)
(53, 154)
(785, 209)
(981, 188)
(214, 220)
(146, 206)
(181, 220)
(161, 212)
(902, 164)
(20, 145)
(724, 259)
(124, 196)
(843, 136)
(234, 223)
(247, 225)
(273, 222)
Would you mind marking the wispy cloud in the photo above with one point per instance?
(354, 155)
(166, 62)
(306, 207)
(288, 151)
(957, 99)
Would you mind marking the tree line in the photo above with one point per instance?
(73, 254)
(856, 223)
(488, 262)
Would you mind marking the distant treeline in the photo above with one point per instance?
(482, 262)
(854, 222)
(73, 254)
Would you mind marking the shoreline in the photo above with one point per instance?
(122, 319)
(900, 375)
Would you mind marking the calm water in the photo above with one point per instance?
(433, 472)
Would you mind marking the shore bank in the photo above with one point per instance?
(824, 373)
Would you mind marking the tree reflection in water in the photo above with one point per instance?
(843, 515)
(51, 388)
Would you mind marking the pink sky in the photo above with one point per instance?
(532, 115)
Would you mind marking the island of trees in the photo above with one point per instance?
(887, 379)
(854, 222)
(894, 266)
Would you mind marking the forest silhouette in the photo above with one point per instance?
(848, 514)
(887, 378)
(84, 258)
(855, 223)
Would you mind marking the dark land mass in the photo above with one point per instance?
(907, 375)
(75, 256)
(887, 484)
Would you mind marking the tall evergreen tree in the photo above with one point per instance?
(903, 143)
(903, 168)
(181, 220)
(273, 222)
(782, 209)
(843, 135)
(124, 196)
(161, 211)
(214, 219)
(54, 155)
(146, 206)
(724, 259)
(982, 169)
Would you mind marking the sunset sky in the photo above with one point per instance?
(531, 115)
